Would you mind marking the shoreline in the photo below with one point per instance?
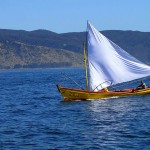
(41, 68)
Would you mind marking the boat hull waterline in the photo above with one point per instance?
(75, 94)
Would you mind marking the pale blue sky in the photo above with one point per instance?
(63, 16)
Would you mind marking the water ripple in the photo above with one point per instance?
(33, 115)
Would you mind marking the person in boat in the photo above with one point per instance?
(141, 86)
(105, 89)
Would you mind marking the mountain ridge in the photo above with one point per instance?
(46, 49)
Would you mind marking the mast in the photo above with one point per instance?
(85, 65)
(85, 60)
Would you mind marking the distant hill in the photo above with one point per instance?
(46, 49)
(16, 55)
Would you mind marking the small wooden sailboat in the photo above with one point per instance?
(106, 64)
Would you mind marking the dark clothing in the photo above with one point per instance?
(142, 86)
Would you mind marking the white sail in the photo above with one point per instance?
(108, 62)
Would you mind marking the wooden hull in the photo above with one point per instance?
(75, 94)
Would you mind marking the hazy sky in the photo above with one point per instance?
(71, 15)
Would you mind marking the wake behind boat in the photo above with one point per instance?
(106, 64)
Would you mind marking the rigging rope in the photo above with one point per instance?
(128, 83)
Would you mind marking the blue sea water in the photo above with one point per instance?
(33, 115)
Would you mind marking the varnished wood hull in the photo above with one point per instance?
(75, 94)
